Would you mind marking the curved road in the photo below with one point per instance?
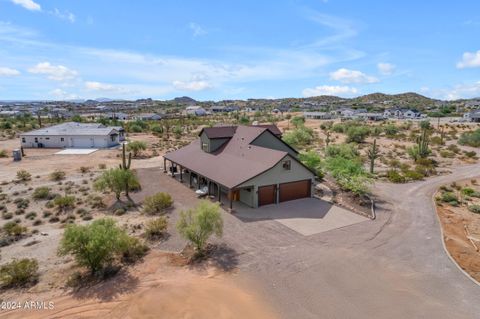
(393, 267)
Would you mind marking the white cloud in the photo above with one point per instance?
(386, 68)
(351, 76)
(4, 71)
(197, 29)
(64, 15)
(329, 90)
(469, 60)
(53, 72)
(28, 4)
(195, 85)
(62, 95)
(106, 87)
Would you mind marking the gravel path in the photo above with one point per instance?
(393, 267)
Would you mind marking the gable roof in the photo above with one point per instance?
(236, 162)
(219, 131)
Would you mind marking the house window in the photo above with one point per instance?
(287, 165)
(113, 138)
(36, 139)
(23, 139)
(61, 139)
(205, 147)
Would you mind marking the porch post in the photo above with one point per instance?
(164, 165)
(171, 168)
(208, 187)
(230, 194)
(219, 193)
(190, 179)
(198, 181)
(181, 177)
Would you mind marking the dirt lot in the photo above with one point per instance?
(461, 228)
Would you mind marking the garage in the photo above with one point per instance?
(82, 142)
(295, 190)
(267, 195)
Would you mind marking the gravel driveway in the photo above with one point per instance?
(393, 267)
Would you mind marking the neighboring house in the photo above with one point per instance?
(347, 112)
(318, 115)
(9, 113)
(412, 114)
(473, 116)
(147, 117)
(371, 116)
(74, 135)
(402, 113)
(117, 116)
(248, 164)
(195, 110)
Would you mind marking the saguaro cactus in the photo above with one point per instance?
(422, 142)
(373, 153)
(125, 163)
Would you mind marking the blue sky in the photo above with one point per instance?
(213, 50)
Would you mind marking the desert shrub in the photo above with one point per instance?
(454, 148)
(3, 154)
(31, 215)
(96, 201)
(46, 213)
(468, 191)
(23, 175)
(357, 134)
(19, 273)
(436, 140)
(7, 215)
(102, 166)
(64, 203)
(312, 160)
(199, 224)
(447, 154)
(14, 229)
(299, 137)
(474, 209)
(156, 227)
(395, 177)
(120, 211)
(348, 151)
(470, 154)
(413, 175)
(42, 192)
(97, 245)
(390, 130)
(298, 121)
(450, 198)
(21, 203)
(136, 147)
(133, 250)
(54, 219)
(84, 169)
(157, 203)
(57, 175)
(470, 138)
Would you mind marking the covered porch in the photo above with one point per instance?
(233, 197)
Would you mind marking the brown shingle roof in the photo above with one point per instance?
(219, 132)
(237, 162)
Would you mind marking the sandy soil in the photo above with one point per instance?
(454, 220)
(155, 288)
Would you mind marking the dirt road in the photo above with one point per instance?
(393, 267)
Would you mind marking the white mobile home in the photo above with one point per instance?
(73, 135)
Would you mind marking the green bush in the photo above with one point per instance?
(470, 154)
(395, 177)
(468, 191)
(23, 175)
(199, 224)
(470, 138)
(136, 147)
(133, 250)
(97, 245)
(19, 273)
(312, 160)
(14, 229)
(155, 228)
(474, 209)
(3, 154)
(413, 175)
(157, 203)
(64, 203)
(299, 137)
(117, 180)
(450, 198)
(42, 192)
(357, 134)
(57, 175)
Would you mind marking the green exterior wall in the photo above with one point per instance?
(213, 144)
(268, 140)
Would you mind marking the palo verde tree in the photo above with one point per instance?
(116, 180)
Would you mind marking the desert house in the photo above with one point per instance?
(248, 164)
(74, 135)
(195, 110)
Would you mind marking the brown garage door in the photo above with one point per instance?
(294, 190)
(267, 195)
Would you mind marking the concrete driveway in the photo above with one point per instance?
(306, 216)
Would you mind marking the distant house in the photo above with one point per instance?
(224, 109)
(195, 110)
(371, 116)
(473, 116)
(9, 113)
(317, 115)
(402, 113)
(247, 164)
(117, 116)
(412, 114)
(147, 117)
(74, 135)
